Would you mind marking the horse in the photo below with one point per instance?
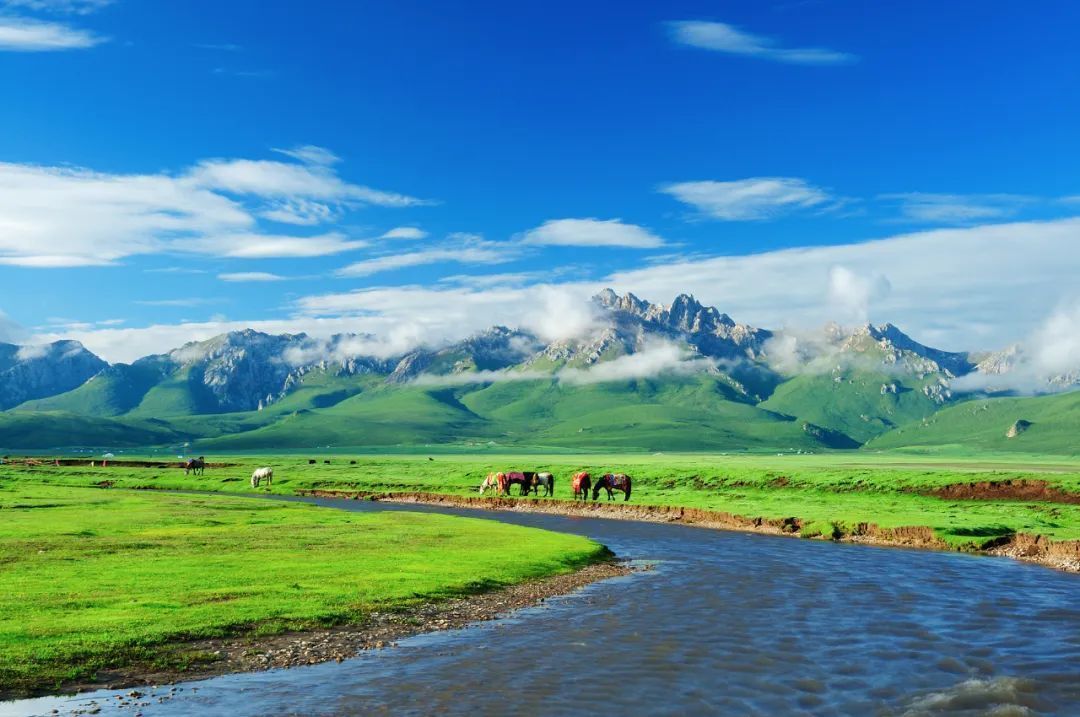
(523, 478)
(545, 480)
(260, 474)
(494, 481)
(581, 482)
(196, 466)
(610, 482)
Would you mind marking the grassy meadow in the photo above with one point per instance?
(826, 491)
(104, 578)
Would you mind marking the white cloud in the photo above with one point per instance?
(60, 216)
(62, 7)
(436, 315)
(749, 199)
(957, 289)
(277, 180)
(301, 212)
(405, 233)
(462, 249)
(247, 276)
(311, 154)
(20, 34)
(851, 294)
(721, 37)
(591, 232)
(512, 278)
(957, 208)
(1045, 361)
(32, 351)
(265, 246)
(656, 358)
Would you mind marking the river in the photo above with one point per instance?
(726, 624)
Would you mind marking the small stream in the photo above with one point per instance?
(726, 624)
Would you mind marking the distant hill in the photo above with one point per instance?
(1033, 424)
(654, 377)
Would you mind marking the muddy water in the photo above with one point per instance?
(727, 623)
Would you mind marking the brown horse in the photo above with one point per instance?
(545, 481)
(612, 482)
(196, 466)
(523, 478)
(581, 482)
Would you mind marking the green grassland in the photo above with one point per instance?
(102, 578)
(840, 490)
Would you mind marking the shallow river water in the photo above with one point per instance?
(726, 623)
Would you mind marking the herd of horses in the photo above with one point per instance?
(531, 482)
(581, 483)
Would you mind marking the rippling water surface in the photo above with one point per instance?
(727, 623)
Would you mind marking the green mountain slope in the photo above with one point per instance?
(384, 416)
(858, 403)
(42, 430)
(1051, 424)
(691, 413)
(113, 392)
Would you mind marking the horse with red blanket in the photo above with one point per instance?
(523, 478)
(612, 482)
(581, 482)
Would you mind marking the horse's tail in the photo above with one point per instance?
(629, 485)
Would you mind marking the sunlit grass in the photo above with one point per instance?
(95, 578)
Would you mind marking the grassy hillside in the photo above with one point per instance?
(113, 392)
(841, 409)
(694, 413)
(982, 425)
(44, 430)
(383, 416)
(858, 403)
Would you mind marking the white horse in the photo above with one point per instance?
(262, 474)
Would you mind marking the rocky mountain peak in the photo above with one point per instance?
(29, 372)
(704, 327)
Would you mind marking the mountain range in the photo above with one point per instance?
(681, 376)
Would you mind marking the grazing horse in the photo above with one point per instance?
(523, 478)
(495, 482)
(545, 481)
(262, 474)
(196, 466)
(581, 482)
(611, 482)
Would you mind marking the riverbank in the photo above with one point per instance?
(381, 629)
(116, 587)
(1060, 555)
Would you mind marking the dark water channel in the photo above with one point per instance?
(727, 624)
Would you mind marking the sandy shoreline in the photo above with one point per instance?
(1060, 555)
(220, 656)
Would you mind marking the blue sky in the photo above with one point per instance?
(420, 170)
